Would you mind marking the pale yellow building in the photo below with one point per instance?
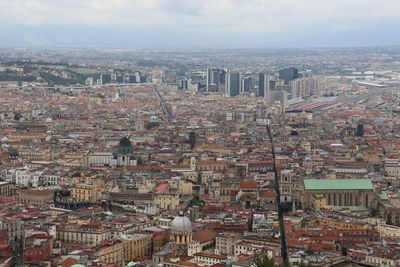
(74, 160)
(90, 235)
(124, 248)
(85, 193)
(36, 154)
(388, 231)
(111, 252)
(134, 246)
(206, 176)
(318, 202)
(340, 225)
(380, 260)
(146, 186)
(185, 188)
(166, 201)
(208, 259)
(190, 175)
(211, 165)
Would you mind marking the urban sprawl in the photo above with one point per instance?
(163, 157)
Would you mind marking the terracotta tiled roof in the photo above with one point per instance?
(69, 262)
(266, 194)
(248, 185)
(204, 235)
(37, 192)
(144, 168)
(212, 162)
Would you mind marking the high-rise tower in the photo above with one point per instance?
(232, 84)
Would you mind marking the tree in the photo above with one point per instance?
(303, 264)
(264, 261)
(389, 219)
(373, 212)
(17, 116)
(196, 202)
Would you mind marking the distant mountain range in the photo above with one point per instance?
(56, 36)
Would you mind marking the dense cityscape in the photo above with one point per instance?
(128, 157)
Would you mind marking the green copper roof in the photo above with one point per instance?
(383, 196)
(338, 184)
(351, 208)
(144, 138)
(124, 147)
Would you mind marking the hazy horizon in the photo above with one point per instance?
(198, 24)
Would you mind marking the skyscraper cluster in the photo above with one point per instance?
(120, 77)
(215, 80)
(287, 84)
(228, 82)
(279, 87)
(288, 74)
(306, 86)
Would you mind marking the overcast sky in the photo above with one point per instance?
(202, 23)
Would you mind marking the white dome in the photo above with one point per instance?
(49, 120)
(181, 224)
(4, 139)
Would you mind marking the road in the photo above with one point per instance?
(165, 108)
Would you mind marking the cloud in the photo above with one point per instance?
(208, 15)
(205, 23)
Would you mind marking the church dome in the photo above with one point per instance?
(13, 152)
(359, 157)
(4, 139)
(125, 142)
(124, 147)
(181, 224)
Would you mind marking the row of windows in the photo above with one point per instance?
(214, 168)
(52, 179)
(81, 191)
(33, 253)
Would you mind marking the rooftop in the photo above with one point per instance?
(338, 184)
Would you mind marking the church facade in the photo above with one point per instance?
(123, 154)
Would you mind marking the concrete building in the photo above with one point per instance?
(307, 86)
(41, 198)
(100, 159)
(225, 243)
(208, 259)
(5, 188)
(90, 235)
